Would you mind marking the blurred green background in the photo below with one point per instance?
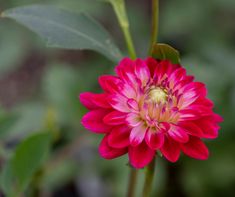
(39, 87)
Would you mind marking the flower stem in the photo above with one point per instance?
(155, 24)
(120, 10)
(149, 179)
(132, 182)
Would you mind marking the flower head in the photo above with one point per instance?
(150, 105)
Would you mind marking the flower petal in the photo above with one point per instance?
(108, 152)
(111, 84)
(118, 102)
(195, 148)
(119, 137)
(170, 149)
(208, 126)
(142, 71)
(115, 118)
(93, 121)
(191, 128)
(137, 134)
(178, 134)
(154, 139)
(133, 119)
(141, 155)
(94, 101)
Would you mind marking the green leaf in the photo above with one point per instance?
(64, 29)
(166, 52)
(29, 156)
(6, 179)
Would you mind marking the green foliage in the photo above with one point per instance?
(29, 156)
(63, 29)
(166, 52)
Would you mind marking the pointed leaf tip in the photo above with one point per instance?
(165, 52)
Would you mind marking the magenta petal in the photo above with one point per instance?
(87, 101)
(154, 139)
(133, 119)
(195, 148)
(94, 101)
(108, 152)
(119, 137)
(142, 71)
(93, 121)
(141, 155)
(137, 134)
(132, 104)
(208, 126)
(170, 149)
(178, 134)
(119, 102)
(191, 128)
(115, 118)
(111, 84)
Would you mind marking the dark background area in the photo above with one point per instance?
(40, 85)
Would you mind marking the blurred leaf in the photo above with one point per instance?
(6, 179)
(6, 123)
(31, 117)
(166, 52)
(29, 156)
(61, 85)
(12, 48)
(64, 29)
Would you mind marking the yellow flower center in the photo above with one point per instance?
(158, 95)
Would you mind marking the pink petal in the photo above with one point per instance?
(208, 126)
(195, 148)
(115, 118)
(93, 121)
(141, 155)
(132, 103)
(87, 101)
(191, 92)
(108, 152)
(191, 128)
(142, 71)
(119, 102)
(111, 84)
(133, 119)
(154, 139)
(152, 64)
(137, 134)
(94, 101)
(188, 114)
(176, 76)
(178, 134)
(119, 137)
(170, 149)
(125, 71)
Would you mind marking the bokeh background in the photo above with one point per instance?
(39, 86)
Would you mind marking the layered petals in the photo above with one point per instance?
(93, 121)
(141, 155)
(171, 149)
(109, 152)
(137, 134)
(195, 148)
(119, 137)
(151, 106)
(154, 139)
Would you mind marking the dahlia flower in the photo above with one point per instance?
(150, 106)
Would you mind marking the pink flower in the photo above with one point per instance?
(150, 106)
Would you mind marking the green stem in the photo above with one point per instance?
(120, 10)
(132, 182)
(155, 24)
(149, 179)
